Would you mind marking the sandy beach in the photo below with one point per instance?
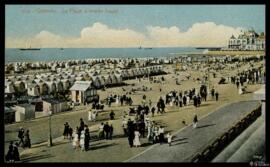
(172, 119)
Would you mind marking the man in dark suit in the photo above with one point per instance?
(107, 130)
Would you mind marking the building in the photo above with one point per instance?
(9, 116)
(247, 40)
(83, 92)
(55, 106)
(24, 112)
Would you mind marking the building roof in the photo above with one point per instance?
(232, 37)
(81, 85)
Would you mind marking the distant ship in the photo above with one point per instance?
(61, 48)
(144, 48)
(30, 49)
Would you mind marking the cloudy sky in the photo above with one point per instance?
(110, 26)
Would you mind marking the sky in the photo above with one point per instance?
(98, 26)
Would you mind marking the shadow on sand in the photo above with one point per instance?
(102, 146)
(36, 157)
(204, 126)
(179, 143)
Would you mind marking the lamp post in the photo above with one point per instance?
(50, 130)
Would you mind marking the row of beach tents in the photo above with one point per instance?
(47, 83)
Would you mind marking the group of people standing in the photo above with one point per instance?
(24, 138)
(155, 133)
(105, 131)
(81, 137)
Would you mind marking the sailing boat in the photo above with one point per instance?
(30, 48)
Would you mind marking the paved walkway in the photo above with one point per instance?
(189, 141)
(246, 145)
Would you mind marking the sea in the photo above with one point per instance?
(57, 54)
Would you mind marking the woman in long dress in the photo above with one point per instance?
(90, 115)
(75, 139)
(82, 140)
(94, 116)
(136, 141)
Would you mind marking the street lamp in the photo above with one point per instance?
(50, 130)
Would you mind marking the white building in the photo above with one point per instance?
(83, 92)
(248, 40)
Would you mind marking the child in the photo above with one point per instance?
(169, 137)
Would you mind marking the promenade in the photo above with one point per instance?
(189, 141)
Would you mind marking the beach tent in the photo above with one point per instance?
(9, 87)
(96, 81)
(139, 72)
(118, 78)
(59, 86)
(124, 74)
(33, 89)
(107, 79)
(66, 84)
(19, 86)
(113, 79)
(51, 86)
(44, 88)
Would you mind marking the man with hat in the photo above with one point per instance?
(21, 136)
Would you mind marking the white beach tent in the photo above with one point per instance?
(59, 85)
(9, 87)
(52, 86)
(44, 89)
(66, 84)
(33, 89)
(107, 79)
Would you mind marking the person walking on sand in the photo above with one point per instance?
(112, 114)
(213, 93)
(16, 152)
(110, 131)
(21, 136)
(217, 96)
(161, 134)
(27, 142)
(137, 138)
(169, 138)
(70, 132)
(195, 121)
(107, 130)
(185, 100)
(10, 154)
(66, 128)
(86, 138)
(153, 111)
(130, 133)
